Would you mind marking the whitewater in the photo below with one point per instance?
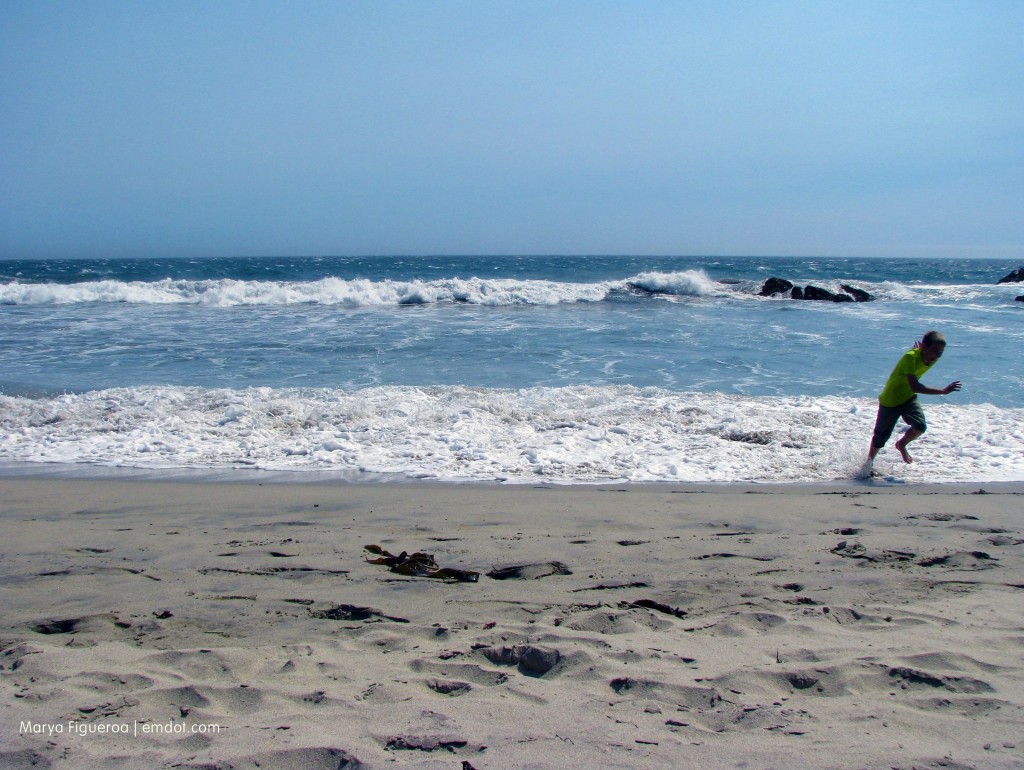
(553, 369)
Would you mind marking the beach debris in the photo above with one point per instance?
(420, 565)
(529, 571)
(352, 612)
(450, 743)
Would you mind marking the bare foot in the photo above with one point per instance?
(903, 451)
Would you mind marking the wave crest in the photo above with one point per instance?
(687, 283)
(357, 292)
(495, 292)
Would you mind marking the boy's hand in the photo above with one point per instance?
(951, 387)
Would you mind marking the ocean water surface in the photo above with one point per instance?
(558, 369)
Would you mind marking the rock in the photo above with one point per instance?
(775, 286)
(818, 293)
(1017, 276)
(1020, 298)
(859, 295)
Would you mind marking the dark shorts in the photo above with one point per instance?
(910, 411)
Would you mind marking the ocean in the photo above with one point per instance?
(510, 369)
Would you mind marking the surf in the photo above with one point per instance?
(573, 434)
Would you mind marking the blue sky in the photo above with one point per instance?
(225, 128)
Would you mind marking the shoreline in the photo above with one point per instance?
(248, 476)
(611, 626)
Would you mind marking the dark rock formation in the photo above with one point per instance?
(1017, 276)
(1020, 298)
(818, 293)
(775, 286)
(859, 295)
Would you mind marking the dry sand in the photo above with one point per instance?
(864, 626)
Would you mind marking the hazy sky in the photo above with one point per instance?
(415, 127)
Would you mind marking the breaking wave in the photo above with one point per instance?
(497, 292)
(575, 434)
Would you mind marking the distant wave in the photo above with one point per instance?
(356, 292)
(497, 292)
(570, 434)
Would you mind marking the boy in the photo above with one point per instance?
(899, 397)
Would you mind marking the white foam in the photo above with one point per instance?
(354, 292)
(571, 434)
(483, 291)
(327, 291)
(687, 283)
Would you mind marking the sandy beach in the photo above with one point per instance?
(150, 624)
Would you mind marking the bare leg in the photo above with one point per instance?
(867, 469)
(907, 437)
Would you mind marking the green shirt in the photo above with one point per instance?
(897, 390)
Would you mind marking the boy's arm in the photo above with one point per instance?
(917, 387)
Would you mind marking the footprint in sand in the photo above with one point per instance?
(529, 571)
(466, 673)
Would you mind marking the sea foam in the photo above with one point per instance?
(358, 292)
(498, 292)
(576, 434)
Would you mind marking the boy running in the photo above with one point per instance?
(899, 397)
